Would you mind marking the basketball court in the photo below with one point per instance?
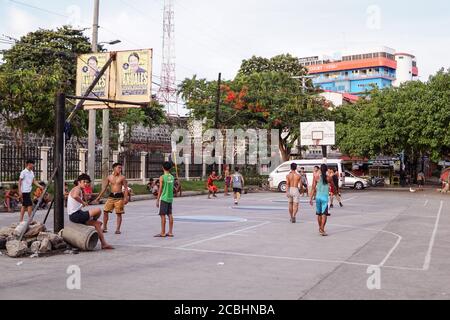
(252, 251)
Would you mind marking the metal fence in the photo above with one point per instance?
(13, 160)
(131, 163)
(153, 165)
(71, 163)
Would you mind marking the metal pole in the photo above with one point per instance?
(216, 122)
(59, 163)
(92, 113)
(105, 138)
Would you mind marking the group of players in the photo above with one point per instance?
(325, 188)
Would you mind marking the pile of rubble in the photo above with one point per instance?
(36, 240)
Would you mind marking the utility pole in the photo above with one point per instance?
(216, 121)
(219, 83)
(92, 113)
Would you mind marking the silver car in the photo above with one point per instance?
(353, 181)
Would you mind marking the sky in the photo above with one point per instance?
(213, 36)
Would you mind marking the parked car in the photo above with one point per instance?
(352, 181)
(277, 178)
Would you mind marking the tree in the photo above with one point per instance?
(281, 63)
(44, 49)
(149, 116)
(414, 118)
(265, 100)
(49, 53)
(27, 98)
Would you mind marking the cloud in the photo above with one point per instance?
(19, 22)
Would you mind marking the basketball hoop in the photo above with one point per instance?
(317, 142)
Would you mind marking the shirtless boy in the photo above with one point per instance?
(117, 198)
(293, 180)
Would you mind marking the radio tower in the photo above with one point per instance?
(168, 91)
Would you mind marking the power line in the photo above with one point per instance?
(38, 8)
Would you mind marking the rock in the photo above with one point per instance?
(13, 225)
(35, 246)
(45, 235)
(2, 243)
(59, 245)
(6, 232)
(34, 230)
(30, 240)
(46, 246)
(19, 229)
(55, 239)
(16, 248)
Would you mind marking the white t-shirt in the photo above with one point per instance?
(27, 177)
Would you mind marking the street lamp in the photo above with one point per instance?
(110, 42)
(113, 42)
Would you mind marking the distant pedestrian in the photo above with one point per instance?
(12, 198)
(421, 180)
(320, 190)
(26, 182)
(304, 182)
(212, 189)
(238, 185)
(177, 188)
(164, 200)
(334, 188)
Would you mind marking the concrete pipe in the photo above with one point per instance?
(80, 236)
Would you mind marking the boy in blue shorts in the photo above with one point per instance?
(320, 190)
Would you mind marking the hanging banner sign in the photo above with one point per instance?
(88, 67)
(134, 80)
(129, 77)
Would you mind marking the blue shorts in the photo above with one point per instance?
(322, 205)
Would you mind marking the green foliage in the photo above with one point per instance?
(281, 63)
(414, 118)
(264, 95)
(149, 116)
(36, 67)
(27, 100)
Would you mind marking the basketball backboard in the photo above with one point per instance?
(318, 133)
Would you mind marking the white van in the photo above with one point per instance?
(277, 179)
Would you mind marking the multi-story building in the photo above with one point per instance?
(359, 71)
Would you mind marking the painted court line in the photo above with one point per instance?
(250, 255)
(224, 235)
(426, 265)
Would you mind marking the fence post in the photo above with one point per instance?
(143, 160)
(44, 163)
(187, 160)
(82, 156)
(115, 155)
(220, 161)
(203, 170)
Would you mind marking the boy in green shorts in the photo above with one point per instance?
(165, 196)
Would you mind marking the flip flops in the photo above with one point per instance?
(159, 236)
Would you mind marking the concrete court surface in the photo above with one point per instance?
(259, 255)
